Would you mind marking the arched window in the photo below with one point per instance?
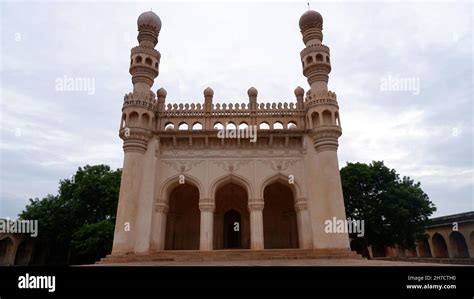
(291, 125)
(169, 126)
(327, 59)
(231, 126)
(148, 61)
(327, 117)
(338, 121)
(309, 59)
(218, 126)
(264, 126)
(183, 126)
(138, 59)
(133, 119)
(319, 57)
(277, 126)
(243, 126)
(197, 126)
(145, 119)
(315, 119)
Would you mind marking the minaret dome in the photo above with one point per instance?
(149, 18)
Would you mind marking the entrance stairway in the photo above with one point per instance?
(232, 255)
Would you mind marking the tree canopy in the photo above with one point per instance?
(78, 223)
(395, 210)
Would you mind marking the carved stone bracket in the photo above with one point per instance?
(280, 164)
(231, 166)
(182, 166)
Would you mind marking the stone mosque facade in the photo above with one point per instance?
(187, 188)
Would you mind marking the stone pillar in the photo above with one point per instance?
(304, 224)
(256, 224)
(130, 184)
(159, 226)
(207, 224)
(145, 206)
(328, 183)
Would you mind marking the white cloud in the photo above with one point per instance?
(231, 47)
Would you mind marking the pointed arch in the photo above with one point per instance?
(172, 182)
(281, 178)
(230, 178)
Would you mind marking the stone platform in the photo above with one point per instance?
(191, 256)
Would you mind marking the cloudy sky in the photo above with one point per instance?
(424, 131)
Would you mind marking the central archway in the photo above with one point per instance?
(231, 218)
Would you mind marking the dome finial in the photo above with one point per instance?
(151, 19)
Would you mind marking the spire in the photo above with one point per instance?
(145, 60)
(315, 56)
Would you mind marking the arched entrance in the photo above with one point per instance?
(23, 253)
(458, 243)
(440, 249)
(183, 219)
(232, 234)
(6, 246)
(424, 248)
(231, 218)
(280, 229)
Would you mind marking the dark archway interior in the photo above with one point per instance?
(459, 244)
(231, 207)
(440, 249)
(280, 229)
(232, 234)
(184, 219)
(5, 246)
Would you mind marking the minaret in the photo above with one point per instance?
(322, 119)
(136, 130)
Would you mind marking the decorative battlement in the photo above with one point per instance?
(141, 100)
(208, 114)
(314, 48)
(320, 98)
(238, 109)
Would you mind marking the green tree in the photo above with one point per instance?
(73, 222)
(395, 210)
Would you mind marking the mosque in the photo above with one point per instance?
(187, 190)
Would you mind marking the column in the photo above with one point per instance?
(256, 224)
(304, 225)
(206, 206)
(144, 214)
(125, 230)
(159, 225)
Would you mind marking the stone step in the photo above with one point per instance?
(242, 254)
